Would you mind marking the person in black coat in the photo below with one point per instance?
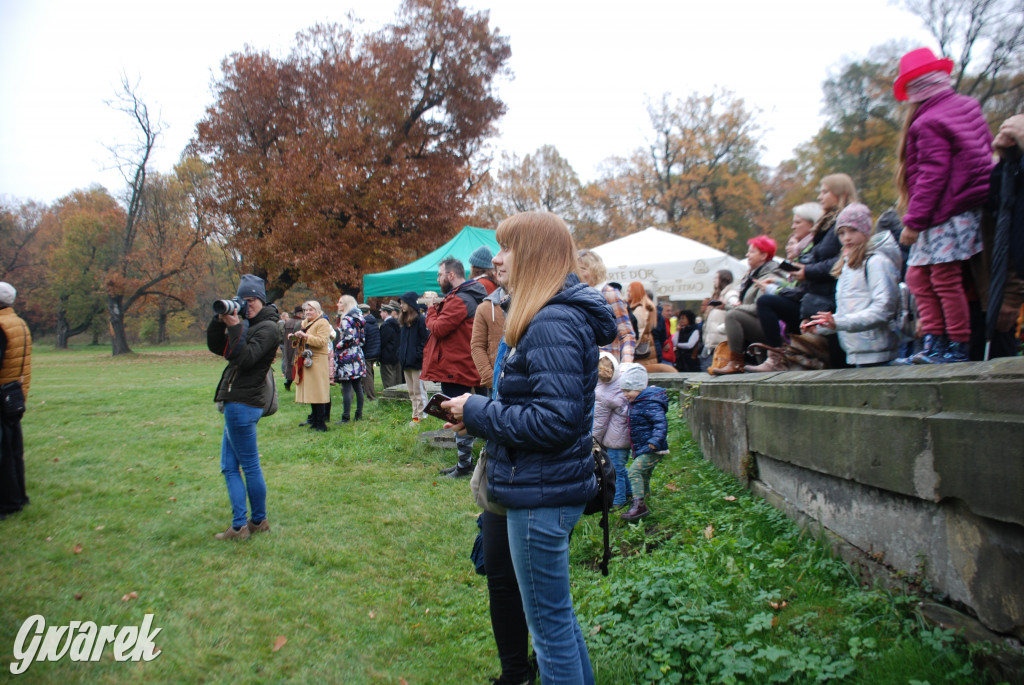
(413, 338)
(390, 333)
(371, 349)
(816, 291)
(249, 344)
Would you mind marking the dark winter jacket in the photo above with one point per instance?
(647, 423)
(819, 285)
(411, 342)
(447, 357)
(389, 338)
(949, 160)
(538, 427)
(250, 348)
(371, 346)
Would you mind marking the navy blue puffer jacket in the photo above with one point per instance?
(647, 422)
(538, 430)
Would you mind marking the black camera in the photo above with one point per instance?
(235, 305)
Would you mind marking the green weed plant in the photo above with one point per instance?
(365, 575)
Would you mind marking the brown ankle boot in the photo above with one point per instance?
(775, 362)
(734, 365)
(637, 511)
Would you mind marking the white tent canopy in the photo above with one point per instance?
(676, 267)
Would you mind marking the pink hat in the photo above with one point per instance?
(918, 63)
(856, 216)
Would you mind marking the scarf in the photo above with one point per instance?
(929, 85)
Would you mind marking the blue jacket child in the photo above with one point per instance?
(648, 433)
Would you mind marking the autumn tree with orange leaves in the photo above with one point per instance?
(699, 176)
(354, 153)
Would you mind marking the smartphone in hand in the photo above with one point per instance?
(435, 409)
(789, 266)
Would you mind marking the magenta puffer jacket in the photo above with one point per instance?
(949, 160)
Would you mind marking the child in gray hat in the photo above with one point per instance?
(648, 433)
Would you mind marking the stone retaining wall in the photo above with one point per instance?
(920, 468)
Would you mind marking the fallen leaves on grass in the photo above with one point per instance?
(709, 532)
(77, 549)
(778, 605)
(279, 643)
(729, 498)
(672, 487)
(131, 595)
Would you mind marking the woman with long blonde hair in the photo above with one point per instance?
(815, 289)
(312, 371)
(537, 427)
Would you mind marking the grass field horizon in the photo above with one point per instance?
(365, 576)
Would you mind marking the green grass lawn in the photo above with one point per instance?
(365, 576)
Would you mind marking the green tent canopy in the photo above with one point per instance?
(421, 275)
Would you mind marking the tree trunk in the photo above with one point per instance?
(161, 326)
(62, 330)
(118, 339)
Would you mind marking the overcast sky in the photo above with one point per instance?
(583, 70)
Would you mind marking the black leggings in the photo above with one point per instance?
(347, 387)
(508, 622)
(771, 309)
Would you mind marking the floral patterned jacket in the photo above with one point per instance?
(350, 363)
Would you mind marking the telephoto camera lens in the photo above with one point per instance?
(226, 306)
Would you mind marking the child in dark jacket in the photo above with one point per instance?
(648, 433)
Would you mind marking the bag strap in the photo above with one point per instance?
(24, 350)
(606, 557)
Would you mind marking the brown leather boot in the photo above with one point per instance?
(734, 365)
(775, 362)
(637, 511)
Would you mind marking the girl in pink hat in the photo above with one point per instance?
(945, 160)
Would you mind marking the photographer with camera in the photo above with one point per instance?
(244, 331)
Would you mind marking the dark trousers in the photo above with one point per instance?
(508, 622)
(368, 390)
(391, 375)
(464, 443)
(12, 466)
(320, 414)
(771, 309)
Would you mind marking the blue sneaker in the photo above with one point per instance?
(931, 353)
(955, 352)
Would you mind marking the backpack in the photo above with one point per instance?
(904, 320)
(601, 503)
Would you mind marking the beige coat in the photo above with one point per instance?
(314, 388)
(488, 327)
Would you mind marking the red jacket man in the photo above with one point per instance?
(446, 357)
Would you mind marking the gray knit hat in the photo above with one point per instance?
(253, 286)
(481, 258)
(632, 376)
(7, 294)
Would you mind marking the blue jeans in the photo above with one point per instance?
(622, 489)
(238, 450)
(539, 542)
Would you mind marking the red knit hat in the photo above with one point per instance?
(918, 63)
(764, 244)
